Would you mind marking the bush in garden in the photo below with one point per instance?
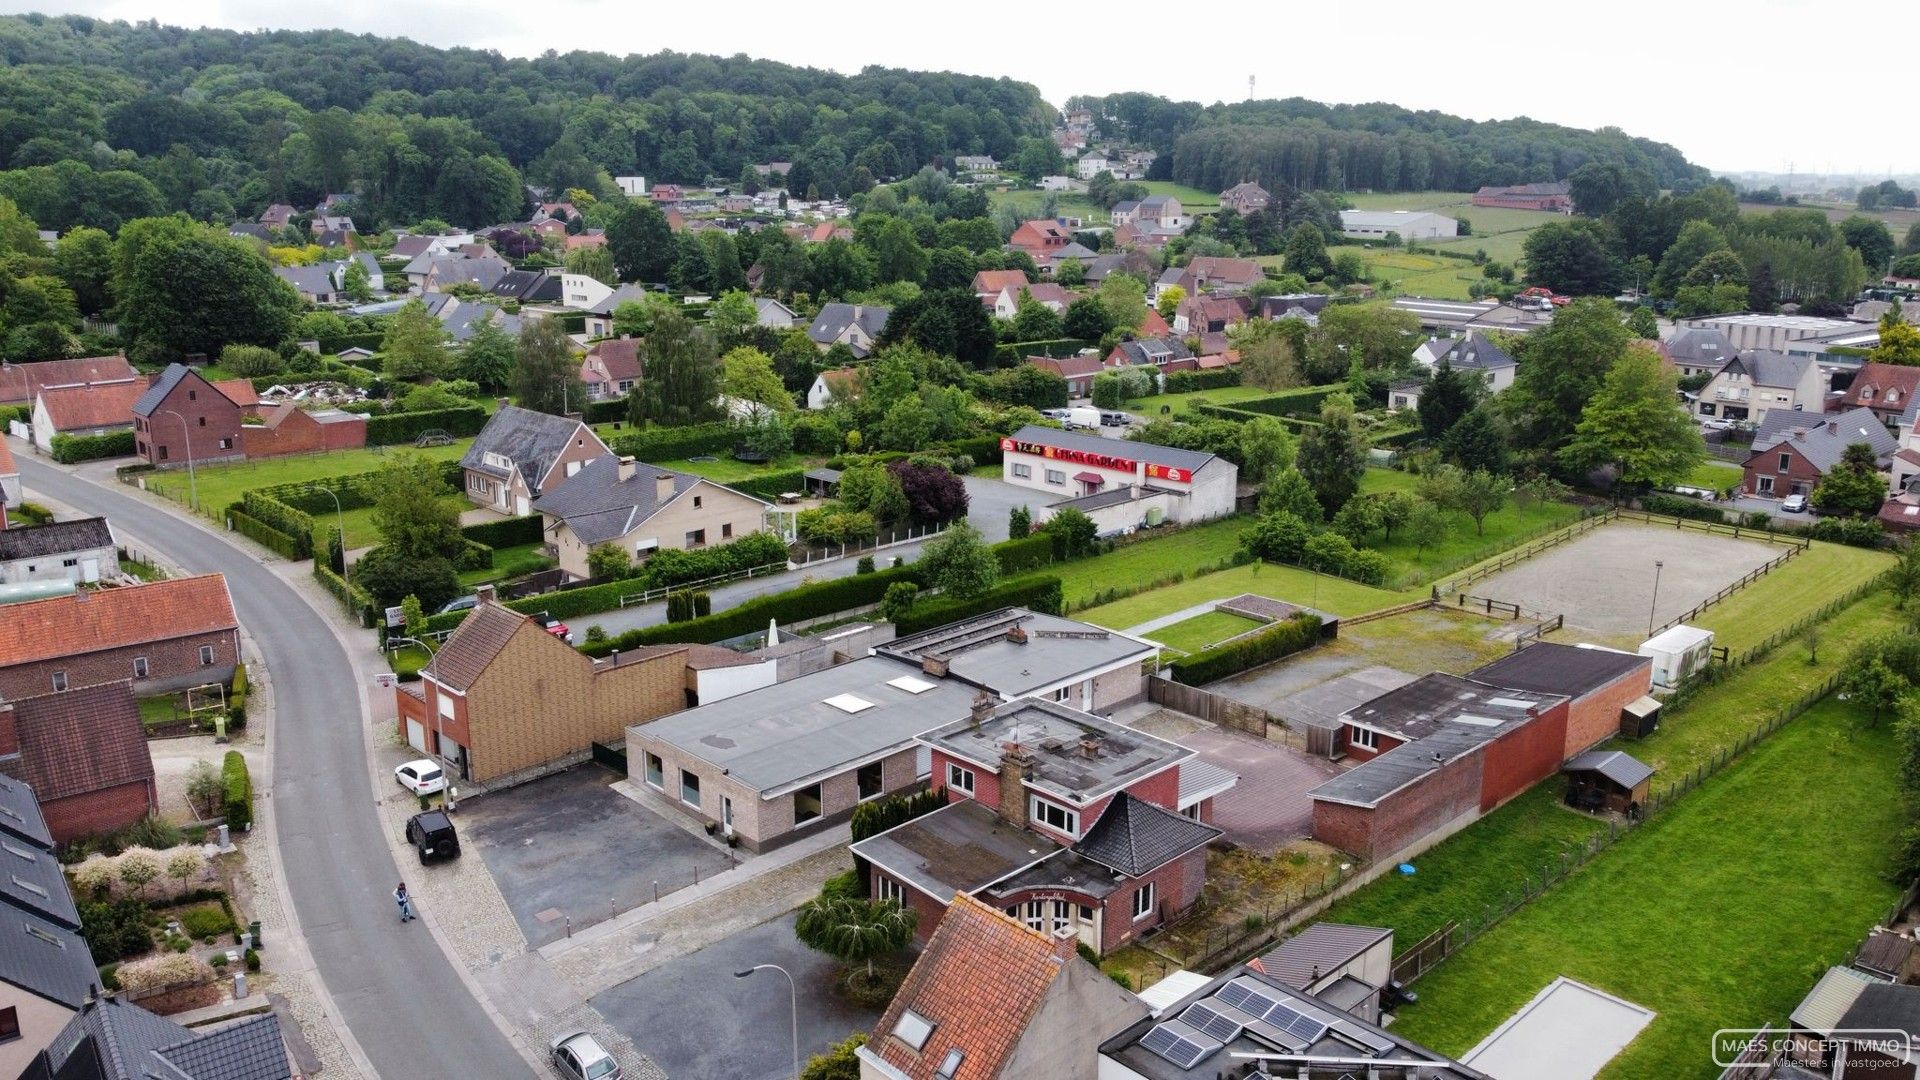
(177, 970)
(137, 868)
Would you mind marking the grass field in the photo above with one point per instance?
(1474, 869)
(220, 485)
(1193, 200)
(1150, 560)
(1714, 475)
(1150, 407)
(1808, 581)
(1338, 595)
(725, 469)
(1397, 272)
(1463, 547)
(509, 562)
(1378, 481)
(1788, 845)
(1192, 635)
(1498, 231)
(1029, 203)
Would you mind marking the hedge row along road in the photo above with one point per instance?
(395, 989)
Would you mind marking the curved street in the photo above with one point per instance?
(395, 989)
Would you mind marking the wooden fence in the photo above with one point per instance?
(1414, 960)
(1237, 715)
(1746, 579)
(1738, 532)
(1578, 528)
(1252, 933)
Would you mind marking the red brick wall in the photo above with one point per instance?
(1361, 753)
(454, 728)
(1523, 757)
(1404, 816)
(301, 434)
(1799, 470)
(162, 429)
(1177, 885)
(172, 665)
(1594, 717)
(925, 907)
(100, 811)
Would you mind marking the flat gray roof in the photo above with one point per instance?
(963, 847)
(1371, 781)
(1076, 755)
(787, 733)
(1056, 650)
(1322, 706)
(1439, 702)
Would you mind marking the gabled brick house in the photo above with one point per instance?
(522, 454)
(84, 753)
(611, 368)
(1790, 458)
(20, 384)
(1040, 238)
(1887, 389)
(164, 635)
(182, 416)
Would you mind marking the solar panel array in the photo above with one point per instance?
(1179, 1044)
(1268, 1007)
(1214, 1019)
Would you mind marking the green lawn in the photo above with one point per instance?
(221, 485)
(1713, 475)
(1192, 199)
(1719, 913)
(1397, 272)
(157, 710)
(510, 562)
(1150, 407)
(1290, 583)
(1192, 635)
(725, 469)
(1182, 550)
(1498, 231)
(1461, 877)
(1463, 546)
(1809, 580)
(1378, 481)
(1029, 203)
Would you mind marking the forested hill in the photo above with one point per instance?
(101, 122)
(1309, 145)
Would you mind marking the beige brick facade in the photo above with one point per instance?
(721, 516)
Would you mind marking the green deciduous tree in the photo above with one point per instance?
(1073, 532)
(1289, 491)
(1572, 257)
(960, 563)
(486, 360)
(1899, 342)
(1561, 367)
(747, 374)
(641, 242)
(183, 288)
(683, 375)
(1332, 456)
(1266, 447)
(546, 374)
(1635, 422)
(1035, 321)
(1481, 494)
(356, 282)
(1125, 298)
(1426, 526)
(594, 262)
(413, 508)
(1853, 486)
(1306, 252)
(415, 345)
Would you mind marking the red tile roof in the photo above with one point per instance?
(1154, 326)
(81, 740)
(93, 620)
(96, 405)
(238, 391)
(21, 383)
(1046, 292)
(618, 357)
(1881, 378)
(7, 467)
(1069, 367)
(979, 982)
(991, 282)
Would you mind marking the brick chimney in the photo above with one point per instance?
(484, 594)
(1833, 427)
(1015, 762)
(934, 665)
(625, 469)
(983, 705)
(1017, 634)
(663, 487)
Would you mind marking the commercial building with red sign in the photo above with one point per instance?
(1121, 485)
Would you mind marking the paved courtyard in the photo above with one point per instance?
(1269, 807)
(568, 845)
(697, 1021)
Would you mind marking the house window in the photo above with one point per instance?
(59, 681)
(193, 395)
(806, 804)
(1364, 738)
(1061, 694)
(726, 531)
(959, 779)
(226, 444)
(1786, 462)
(950, 1064)
(656, 771)
(139, 667)
(69, 562)
(1055, 476)
(1143, 902)
(1766, 485)
(1056, 817)
(1024, 472)
(163, 452)
(870, 781)
(885, 888)
(912, 1029)
(689, 788)
(203, 420)
(206, 656)
(9, 1024)
(697, 538)
(696, 502)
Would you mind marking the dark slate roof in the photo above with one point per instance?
(1306, 956)
(531, 440)
(528, 285)
(1699, 346)
(249, 1050)
(1549, 668)
(20, 817)
(1620, 767)
(1371, 781)
(1136, 837)
(1475, 353)
(31, 881)
(1885, 1006)
(1825, 442)
(111, 1039)
(834, 319)
(55, 538)
(1153, 453)
(79, 741)
(158, 390)
(1768, 368)
(597, 505)
(314, 280)
(1150, 350)
(45, 958)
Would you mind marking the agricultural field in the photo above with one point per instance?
(1898, 220)
(1030, 202)
(1498, 231)
(1193, 200)
(1398, 272)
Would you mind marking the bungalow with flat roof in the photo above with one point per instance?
(1014, 652)
(1608, 691)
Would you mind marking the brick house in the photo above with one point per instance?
(611, 368)
(989, 284)
(164, 635)
(522, 454)
(289, 429)
(1793, 451)
(1554, 197)
(1066, 821)
(505, 699)
(641, 509)
(1434, 755)
(1886, 389)
(1040, 238)
(1078, 371)
(1245, 197)
(1217, 274)
(1000, 1000)
(84, 754)
(1599, 684)
(20, 384)
(182, 416)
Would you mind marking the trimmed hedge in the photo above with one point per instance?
(605, 412)
(1290, 635)
(72, 449)
(358, 602)
(239, 791)
(395, 428)
(770, 486)
(333, 346)
(280, 543)
(275, 514)
(1682, 507)
(10, 413)
(1186, 382)
(674, 443)
(984, 450)
(1027, 553)
(33, 513)
(1305, 402)
(1014, 352)
(806, 602)
(1038, 593)
(513, 532)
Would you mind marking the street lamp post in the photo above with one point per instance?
(186, 433)
(793, 993)
(1655, 605)
(340, 523)
(438, 741)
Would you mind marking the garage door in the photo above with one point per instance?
(416, 735)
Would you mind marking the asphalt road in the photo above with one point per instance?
(394, 987)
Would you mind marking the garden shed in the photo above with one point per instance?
(1607, 780)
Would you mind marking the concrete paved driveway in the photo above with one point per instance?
(569, 846)
(1269, 807)
(696, 1020)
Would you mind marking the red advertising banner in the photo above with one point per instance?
(1099, 461)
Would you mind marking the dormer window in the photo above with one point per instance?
(1866, 394)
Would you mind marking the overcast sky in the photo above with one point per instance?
(1735, 87)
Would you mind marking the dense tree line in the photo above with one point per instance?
(102, 122)
(1310, 145)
